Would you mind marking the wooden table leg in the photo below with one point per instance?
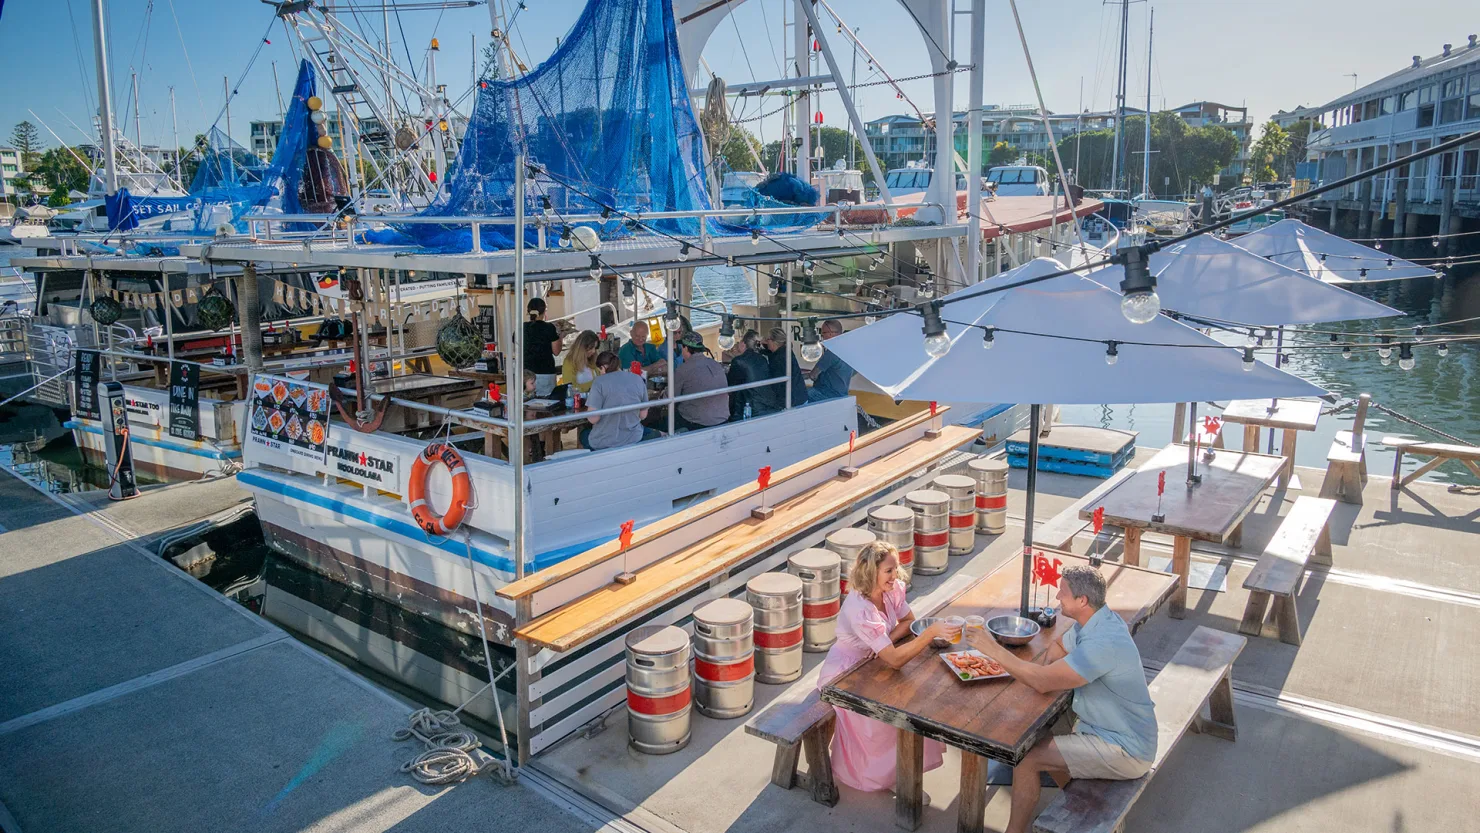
(909, 781)
(1132, 554)
(1181, 558)
(973, 811)
(1287, 450)
(1251, 438)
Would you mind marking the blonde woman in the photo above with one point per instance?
(874, 616)
(579, 368)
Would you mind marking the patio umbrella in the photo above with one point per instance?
(1063, 340)
(1327, 256)
(1209, 277)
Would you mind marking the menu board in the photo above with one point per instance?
(85, 376)
(185, 400)
(291, 416)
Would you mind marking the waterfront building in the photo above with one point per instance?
(1429, 101)
(11, 168)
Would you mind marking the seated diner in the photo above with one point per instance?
(639, 349)
(698, 373)
(615, 388)
(579, 368)
(1115, 731)
(873, 617)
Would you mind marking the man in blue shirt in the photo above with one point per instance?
(831, 376)
(1115, 733)
(642, 351)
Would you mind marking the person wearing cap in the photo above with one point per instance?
(699, 373)
(541, 346)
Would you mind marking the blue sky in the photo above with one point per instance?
(1267, 54)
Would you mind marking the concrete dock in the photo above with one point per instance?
(136, 699)
(1372, 724)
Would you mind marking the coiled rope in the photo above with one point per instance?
(447, 758)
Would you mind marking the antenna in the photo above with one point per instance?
(1353, 77)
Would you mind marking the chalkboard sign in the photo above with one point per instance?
(85, 376)
(184, 400)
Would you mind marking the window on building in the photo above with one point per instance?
(1408, 100)
(1451, 101)
(1385, 106)
(1425, 115)
(1426, 95)
(1450, 88)
(1473, 109)
(1369, 109)
(10, 169)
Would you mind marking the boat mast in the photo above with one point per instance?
(105, 97)
(1146, 148)
(138, 129)
(1125, 14)
(175, 130)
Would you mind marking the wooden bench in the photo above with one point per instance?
(1062, 528)
(1304, 535)
(1439, 452)
(798, 721)
(1346, 462)
(1201, 672)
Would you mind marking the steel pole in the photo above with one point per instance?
(105, 95)
(516, 371)
(1028, 509)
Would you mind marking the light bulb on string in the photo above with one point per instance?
(1248, 359)
(1436, 242)
(671, 319)
(1139, 302)
(1253, 340)
(1362, 273)
(937, 342)
(1385, 351)
(1112, 353)
(755, 237)
(595, 267)
(683, 252)
(808, 267)
(1405, 356)
(1443, 349)
(627, 288)
(1346, 352)
(726, 332)
(811, 342)
(872, 316)
(989, 338)
(774, 287)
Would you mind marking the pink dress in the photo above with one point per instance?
(863, 749)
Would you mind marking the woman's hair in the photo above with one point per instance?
(607, 361)
(777, 335)
(536, 308)
(865, 572)
(585, 343)
(528, 375)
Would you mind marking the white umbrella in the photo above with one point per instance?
(1327, 256)
(1035, 357)
(1216, 279)
(1049, 343)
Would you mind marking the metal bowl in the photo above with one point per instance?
(918, 627)
(1012, 630)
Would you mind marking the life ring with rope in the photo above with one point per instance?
(462, 489)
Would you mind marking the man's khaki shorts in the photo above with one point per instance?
(1091, 756)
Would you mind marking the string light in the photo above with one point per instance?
(1405, 356)
(726, 332)
(595, 266)
(774, 287)
(755, 237)
(1443, 349)
(1112, 353)
(1248, 359)
(627, 288)
(1361, 273)
(1139, 302)
(937, 343)
(989, 338)
(683, 252)
(1346, 352)
(1385, 351)
(811, 343)
(1253, 340)
(671, 319)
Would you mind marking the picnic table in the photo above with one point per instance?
(1213, 510)
(992, 719)
(1290, 415)
(495, 437)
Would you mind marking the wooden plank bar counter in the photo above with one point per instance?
(579, 599)
(997, 719)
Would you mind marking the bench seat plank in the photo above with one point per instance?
(1199, 671)
(1300, 536)
(1060, 530)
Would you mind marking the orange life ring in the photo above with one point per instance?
(462, 487)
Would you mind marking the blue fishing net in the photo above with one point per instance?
(231, 180)
(607, 121)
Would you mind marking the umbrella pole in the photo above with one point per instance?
(1193, 478)
(1279, 351)
(1028, 511)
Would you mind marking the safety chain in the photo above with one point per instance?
(1339, 407)
(1410, 420)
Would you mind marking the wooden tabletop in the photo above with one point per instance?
(1231, 486)
(999, 719)
(1292, 414)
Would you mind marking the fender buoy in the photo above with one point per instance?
(462, 487)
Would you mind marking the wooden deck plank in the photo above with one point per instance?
(556, 573)
(587, 617)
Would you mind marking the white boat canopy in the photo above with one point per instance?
(1219, 280)
(1330, 257)
(1035, 359)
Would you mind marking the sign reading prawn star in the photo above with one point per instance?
(291, 416)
